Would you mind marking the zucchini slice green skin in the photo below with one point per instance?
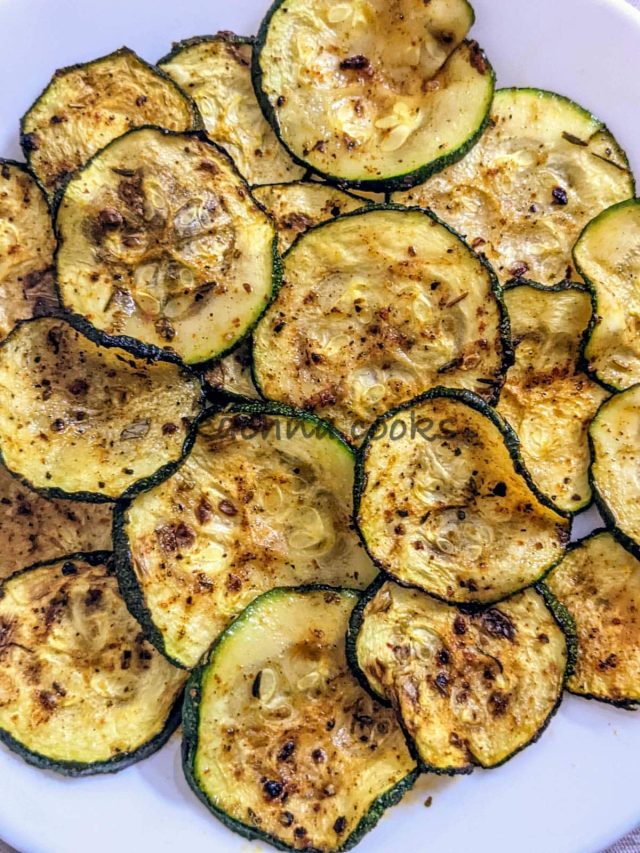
(607, 285)
(27, 246)
(114, 764)
(53, 492)
(560, 617)
(466, 52)
(218, 68)
(191, 723)
(519, 212)
(53, 180)
(547, 398)
(472, 598)
(183, 619)
(79, 240)
(618, 516)
(352, 423)
(556, 585)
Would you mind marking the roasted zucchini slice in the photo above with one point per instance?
(542, 170)
(81, 690)
(36, 530)
(444, 503)
(616, 458)
(379, 305)
(85, 106)
(607, 255)
(547, 400)
(263, 500)
(373, 94)
(470, 687)
(598, 582)
(82, 421)
(280, 740)
(232, 374)
(216, 72)
(26, 248)
(161, 242)
(300, 205)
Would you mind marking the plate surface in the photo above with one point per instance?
(577, 789)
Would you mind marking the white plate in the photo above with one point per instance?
(575, 791)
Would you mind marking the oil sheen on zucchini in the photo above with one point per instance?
(547, 400)
(161, 242)
(616, 463)
(280, 740)
(607, 255)
(88, 422)
(85, 106)
(34, 529)
(378, 306)
(444, 503)
(471, 688)
(542, 170)
(81, 690)
(216, 72)
(374, 94)
(300, 205)
(26, 248)
(263, 500)
(599, 584)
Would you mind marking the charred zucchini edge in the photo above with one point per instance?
(191, 718)
(130, 589)
(150, 355)
(560, 615)
(112, 765)
(405, 180)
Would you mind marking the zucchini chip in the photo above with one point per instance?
(598, 582)
(374, 94)
(82, 421)
(263, 500)
(378, 306)
(545, 398)
(281, 743)
(81, 691)
(542, 170)
(162, 243)
(216, 72)
(471, 688)
(36, 530)
(607, 255)
(26, 248)
(301, 205)
(444, 503)
(85, 106)
(232, 374)
(616, 460)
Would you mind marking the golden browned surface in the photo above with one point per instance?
(82, 418)
(288, 741)
(161, 241)
(261, 502)
(545, 398)
(217, 74)
(85, 106)
(444, 509)
(542, 170)
(78, 681)
(599, 584)
(377, 307)
(470, 687)
(26, 248)
(33, 529)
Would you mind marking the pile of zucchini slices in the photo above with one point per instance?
(311, 348)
